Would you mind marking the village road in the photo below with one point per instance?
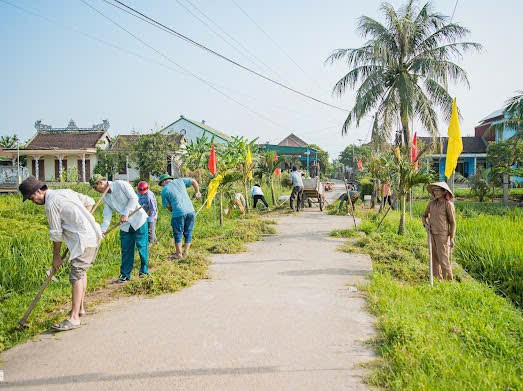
(279, 317)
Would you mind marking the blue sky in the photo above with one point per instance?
(54, 74)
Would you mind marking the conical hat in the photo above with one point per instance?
(443, 185)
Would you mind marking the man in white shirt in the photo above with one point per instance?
(70, 221)
(297, 189)
(134, 231)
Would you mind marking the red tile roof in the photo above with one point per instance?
(65, 140)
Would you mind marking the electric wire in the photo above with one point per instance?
(139, 56)
(245, 49)
(163, 27)
(275, 43)
(181, 67)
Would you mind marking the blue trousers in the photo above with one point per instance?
(140, 239)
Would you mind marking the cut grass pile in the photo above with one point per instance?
(454, 336)
(25, 254)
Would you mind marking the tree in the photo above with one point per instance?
(266, 166)
(353, 151)
(9, 142)
(402, 73)
(505, 156)
(479, 184)
(149, 153)
(108, 162)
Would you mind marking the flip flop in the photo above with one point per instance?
(174, 256)
(66, 325)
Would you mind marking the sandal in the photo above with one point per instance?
(175, 256)
(66, 325)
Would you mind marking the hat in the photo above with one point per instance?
(95, 179)
(443, 185)
(163, 177)
(29, 186)
(143, 187)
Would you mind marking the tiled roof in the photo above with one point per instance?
(470, 144)
(292, 141)
(65, 140)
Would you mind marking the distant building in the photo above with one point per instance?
(295, 149)
(491, 129)
(293, 141)
(193, 129)
(55, 153)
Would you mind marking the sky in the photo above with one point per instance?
(70, 62)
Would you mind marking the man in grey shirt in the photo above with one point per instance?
(297, 189)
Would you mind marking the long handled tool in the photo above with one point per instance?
(383, 218)
(429, 240)
(23, 322)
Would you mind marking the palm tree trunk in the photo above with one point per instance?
(405, 131)
(505, 187)
(374, 193)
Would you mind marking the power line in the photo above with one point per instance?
(275, 43)
(203, 47)
(454, 11)
(181, 67)
(233, 39)
(143, 58)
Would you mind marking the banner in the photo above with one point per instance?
(455, 144)
(248, 162)
(213, 189)
(211, 165)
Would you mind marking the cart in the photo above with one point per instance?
(313, 192)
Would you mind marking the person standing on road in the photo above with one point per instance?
(122, 199)
(257, 195)
(176, 199)
(297, 189)
(70, 221)
(439, 219)
(147, 200)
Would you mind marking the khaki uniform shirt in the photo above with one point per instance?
(442, 217)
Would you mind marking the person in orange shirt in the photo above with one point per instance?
(440, 220)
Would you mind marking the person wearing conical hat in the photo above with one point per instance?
(440, 219)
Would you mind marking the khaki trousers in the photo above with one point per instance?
(440, 257)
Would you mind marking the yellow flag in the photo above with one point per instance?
(212, 189)
(248, 162)
(455, 144)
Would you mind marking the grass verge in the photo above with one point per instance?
(454, 336)
(25, 254)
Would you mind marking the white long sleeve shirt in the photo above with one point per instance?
(70, 221)
(123, 200)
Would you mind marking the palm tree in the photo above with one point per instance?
(9, 142)
(402, 71)
(404, 68)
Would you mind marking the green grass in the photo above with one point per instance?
(453, 336)
(25, 254)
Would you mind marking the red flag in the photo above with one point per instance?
(275, 157)
(360, 165)
(212, 161)
(277, 171)
(414, 150)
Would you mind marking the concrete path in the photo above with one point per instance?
(280, 317)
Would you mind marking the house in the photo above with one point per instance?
(68, 153)
(127, 172)
(296, 149)
(193, 129)
(491, 129)
(474, 155)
